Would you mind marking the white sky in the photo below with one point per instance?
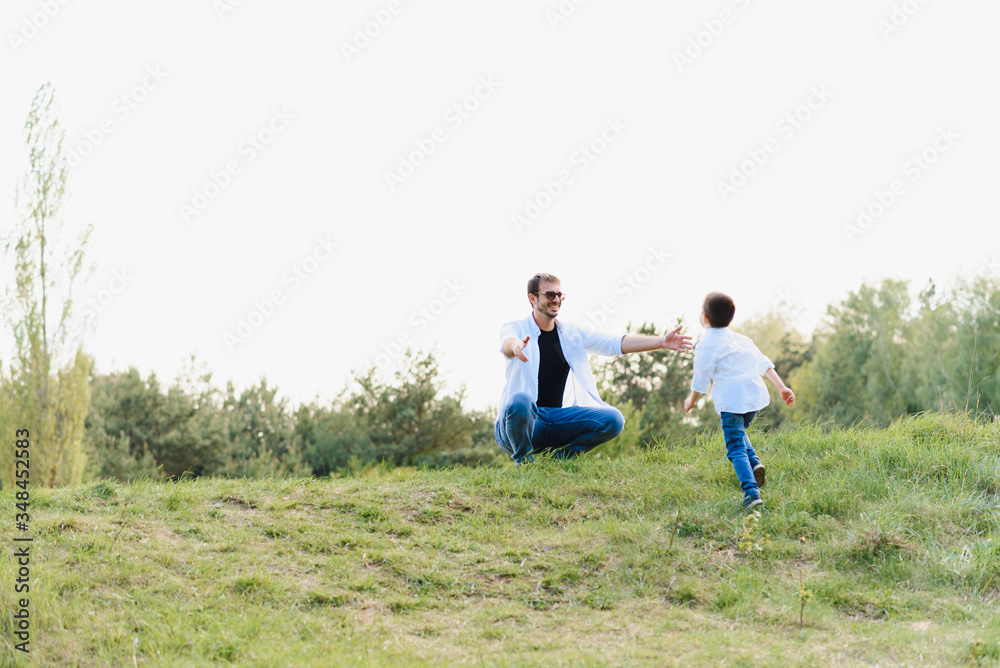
(447, 229)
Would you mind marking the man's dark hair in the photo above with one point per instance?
(538, 278)
(719, 309)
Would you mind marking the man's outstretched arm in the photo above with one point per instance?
(640, 343)
(513, 347)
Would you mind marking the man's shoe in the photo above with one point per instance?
(753, 503)
(760, 475)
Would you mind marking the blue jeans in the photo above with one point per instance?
(524, 428)
(739, 450)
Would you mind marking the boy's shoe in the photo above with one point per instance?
(759, 474)
(753, 503)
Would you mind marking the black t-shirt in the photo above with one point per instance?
(552, 370)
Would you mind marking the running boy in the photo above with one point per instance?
(735, 365)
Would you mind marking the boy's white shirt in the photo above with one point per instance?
(576, 342)
(735, 365)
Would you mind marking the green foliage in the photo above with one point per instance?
(334, 440)
(786, 348)
(137, 428)
(856, 372)
(407, 423)
(977, 354)
(260, 435)
(629, 441)
(654, 384)
(874, 360)
(45, 389)
(933, 357)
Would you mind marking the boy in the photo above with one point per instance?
(735, 365)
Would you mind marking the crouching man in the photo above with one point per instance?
(550, 402)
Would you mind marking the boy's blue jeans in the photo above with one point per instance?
(739, 450)
(524, 428)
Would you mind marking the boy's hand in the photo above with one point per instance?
(688, 404)
(787, 395)
(675, 341)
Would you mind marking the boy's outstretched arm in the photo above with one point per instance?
(786, 392)
(691, 400)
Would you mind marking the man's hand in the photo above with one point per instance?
(518, 349)
(675, 341)
(787, 395)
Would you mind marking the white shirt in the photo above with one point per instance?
(735, 365)
(581, 388)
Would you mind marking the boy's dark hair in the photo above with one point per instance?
(538, 278)
(719, 309)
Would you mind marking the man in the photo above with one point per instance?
(550, 401)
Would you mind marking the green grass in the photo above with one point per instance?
(896, 534)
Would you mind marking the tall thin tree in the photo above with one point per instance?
(46, 386)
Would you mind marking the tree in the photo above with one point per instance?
(977, 348)
(123, 425)
(932, 356)
(46, 387)
(407, 423)
(136, 429)
(857, 370)
(654, 384)
(332, 438)
(775, 336)
(260, 435)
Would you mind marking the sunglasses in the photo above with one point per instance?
(552, 295)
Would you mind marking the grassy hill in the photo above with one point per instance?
(890, 538)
